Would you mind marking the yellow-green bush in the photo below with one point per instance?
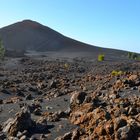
(101, 57)
(66, 66)
(116, 73)
(134, 56)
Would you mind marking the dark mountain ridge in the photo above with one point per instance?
(31, 35)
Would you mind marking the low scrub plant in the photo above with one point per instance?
(117, 73)
(66, 66)
(101, 57)
(134, 56)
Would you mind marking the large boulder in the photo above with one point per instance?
(21, 122)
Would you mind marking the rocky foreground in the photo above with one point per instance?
(44, 99)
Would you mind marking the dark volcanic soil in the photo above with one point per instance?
(75, 96)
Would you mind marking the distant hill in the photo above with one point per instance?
(31, 35)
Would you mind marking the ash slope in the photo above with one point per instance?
(31, 35)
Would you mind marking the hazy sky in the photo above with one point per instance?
(105, 23)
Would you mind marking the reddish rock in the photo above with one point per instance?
(77, 98)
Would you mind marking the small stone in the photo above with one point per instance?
(19, 134)
(114, 95)
(117, 113)
(139, 88)
(37, 111)
(75, 134)
(34, 106)
(2, 136)
(53, 117)
(77, 98)
(1, 101)
(53, 84)
(6, 91)
(134, 88)
(33, 89)
(49, 107)
(29, 97)
(42, 137)
(125, 133)
(109, 127)
(7, 125)
(119, 122)
(41, 124)
(88, 99)
(23, 138)
(67, 136)
(68, 111)
(20, 94)
(133, 77)
(0, 127)
(133, 111)
(12, 138)
(62, 114)
(12, 100)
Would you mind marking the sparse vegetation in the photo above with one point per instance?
(66, 66)
(134, 56)
(101, 57)
(2, 50)
(116, 73)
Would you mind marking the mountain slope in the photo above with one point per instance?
(30, 35)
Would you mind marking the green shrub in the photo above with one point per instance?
(133, 56)
(129, 55)
(66, 66)
(2, 50)
(101, 57)
(116, 73)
